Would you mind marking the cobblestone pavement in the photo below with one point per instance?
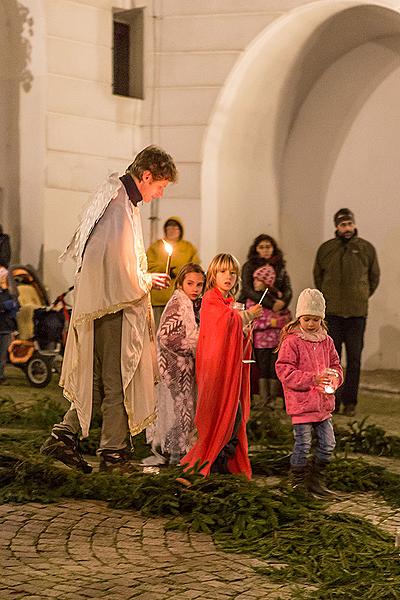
(76, 550)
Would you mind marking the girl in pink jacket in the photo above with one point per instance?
(310, 371)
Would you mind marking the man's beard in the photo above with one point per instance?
(347, 235)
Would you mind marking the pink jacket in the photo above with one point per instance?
(299, 360)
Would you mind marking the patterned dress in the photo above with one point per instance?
(176, 349)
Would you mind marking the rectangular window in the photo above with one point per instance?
(128, 53)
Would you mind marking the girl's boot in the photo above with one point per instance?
(298, 479)
(316, 482)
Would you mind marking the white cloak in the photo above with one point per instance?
(111, 276)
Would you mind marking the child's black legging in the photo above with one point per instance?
(221, 462)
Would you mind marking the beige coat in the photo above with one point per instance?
(112, 276)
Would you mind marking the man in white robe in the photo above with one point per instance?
(109, 358)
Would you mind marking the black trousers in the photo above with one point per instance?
(266, 359)
(348, 331)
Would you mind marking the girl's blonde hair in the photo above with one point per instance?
(185, 270)
(290, 327)
(219, 263)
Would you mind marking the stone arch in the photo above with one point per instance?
(271, 155)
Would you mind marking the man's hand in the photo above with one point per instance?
(160, 281)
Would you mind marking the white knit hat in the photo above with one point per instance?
(310, 302)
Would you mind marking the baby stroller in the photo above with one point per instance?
(42, 328)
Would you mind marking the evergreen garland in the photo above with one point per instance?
(324, 556)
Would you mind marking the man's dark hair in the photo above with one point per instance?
(157, 161)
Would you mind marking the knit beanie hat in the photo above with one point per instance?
(265, 274)
(310, 302)
(343, 214)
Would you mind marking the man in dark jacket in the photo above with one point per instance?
(346, 271)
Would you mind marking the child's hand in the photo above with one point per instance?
(321, 380)
(255, 312)
(259, 286)
(278, 305)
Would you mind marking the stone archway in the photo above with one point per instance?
(301, 104)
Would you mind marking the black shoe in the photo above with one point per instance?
(65, 449)
(349, 410)
(119, 461)
(317, 487)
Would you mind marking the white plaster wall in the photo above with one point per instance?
(83, 132)
(343, 151)
(32, 132)
(366, 176)
(195, 52)
(89, 131)
(288, 65)
(196, 46)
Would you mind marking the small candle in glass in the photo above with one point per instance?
(331, 386)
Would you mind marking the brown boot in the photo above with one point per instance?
(316, 481)
(118, 461)
(65, 448)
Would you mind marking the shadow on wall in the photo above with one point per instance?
(389, 338)
(317, 123)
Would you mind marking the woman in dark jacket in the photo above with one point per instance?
(265, 251)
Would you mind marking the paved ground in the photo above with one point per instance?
(77, 550)
(381, 380)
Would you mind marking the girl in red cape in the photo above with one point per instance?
(223, 380)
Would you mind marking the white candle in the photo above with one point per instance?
(263, 296)
(168, 249)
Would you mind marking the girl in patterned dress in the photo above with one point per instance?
(172, 434)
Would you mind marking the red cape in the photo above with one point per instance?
(223, 381)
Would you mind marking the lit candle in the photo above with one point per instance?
(168, 249)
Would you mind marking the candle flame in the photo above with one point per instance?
(168, 248)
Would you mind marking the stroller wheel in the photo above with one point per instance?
(38, 371)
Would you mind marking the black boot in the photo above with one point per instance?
(298, 479)
(316, 482)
